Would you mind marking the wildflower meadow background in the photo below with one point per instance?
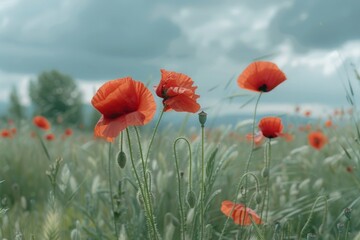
(130, 177)
(207, 120)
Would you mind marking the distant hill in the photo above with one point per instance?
(191, 120)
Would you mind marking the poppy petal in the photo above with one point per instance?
(182, 103)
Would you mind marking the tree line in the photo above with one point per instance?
(53, 95)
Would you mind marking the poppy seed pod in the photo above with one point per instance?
(202, 118)
(121, 159)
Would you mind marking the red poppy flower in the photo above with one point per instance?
(271, 127)
(178, 92)
(122, 102)
(261, 77)
(68, 132)
(5, 133)
(50, 137)
(317, 140)
(239, 215)
(41, 122)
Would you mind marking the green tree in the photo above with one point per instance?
(56, 96)
(16, 109)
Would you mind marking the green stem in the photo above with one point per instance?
(267, 186)
(312, 212)
(147, 187)
(247, 165)
(43, 146)
(182, 215)
(347, 229)
(111, 193)
(202, 183)
(153, 135)
(151, 232)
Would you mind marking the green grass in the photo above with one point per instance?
(308, 193)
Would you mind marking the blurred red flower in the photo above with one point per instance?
(68, 132)
(178, 92)
(5, 133)
(328, 123)
(122, 102)
(271, 127)
(261, 76)
(239, 215)
(50, 137)
(307, 113)
(41, 122)
(317, 140)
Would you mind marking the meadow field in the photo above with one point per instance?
(182, 181)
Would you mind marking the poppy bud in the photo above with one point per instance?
(347, 213)
(121, 159)
(202, 118)
(258, 197)
(265, 172)
(191, 199)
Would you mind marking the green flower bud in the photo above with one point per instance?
(258, 197)
(265, 172)
(121, 159)
(191, 199)
(347, 213)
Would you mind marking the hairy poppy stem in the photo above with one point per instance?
(153, 135)
(151, 225)
(146, 183)
(180, 192)
(202, 183)
(246, 168)
(111, 193)
(43, 146)
(266, 174)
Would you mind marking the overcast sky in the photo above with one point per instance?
(313, 41)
